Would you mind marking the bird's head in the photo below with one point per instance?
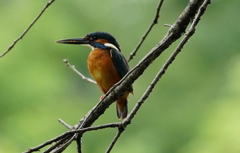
(101, 40)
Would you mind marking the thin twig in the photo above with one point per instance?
(111, 125)
(65, 124)
(174, 33)
(37, 148)
(167, 63)
(66, 134)
(167, 25)
(79, 144)
(60, 144)
(155, 21)
(28, 28)
(79, 73)
(120, 131)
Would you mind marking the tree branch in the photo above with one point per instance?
(167, 63)
(120, 131)
(155, 21)
(79, 73)
(65, 124)
(192, 12)
(28, 28)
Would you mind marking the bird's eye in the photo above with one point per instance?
(90, 38)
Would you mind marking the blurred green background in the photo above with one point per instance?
(194, 108)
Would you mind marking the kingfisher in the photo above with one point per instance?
(106, 64)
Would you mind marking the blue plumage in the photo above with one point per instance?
(106, 64)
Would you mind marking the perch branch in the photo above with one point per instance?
(174, 33)
(167, 63)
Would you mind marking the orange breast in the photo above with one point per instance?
(102, 69)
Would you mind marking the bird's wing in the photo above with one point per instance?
(120, 63)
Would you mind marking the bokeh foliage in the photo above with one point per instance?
(194, 108)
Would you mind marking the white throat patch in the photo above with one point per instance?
(111, 46)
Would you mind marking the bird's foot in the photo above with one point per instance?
(102, 97)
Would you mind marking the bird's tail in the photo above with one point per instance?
(122, 107)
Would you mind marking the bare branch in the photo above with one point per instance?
(79, 144)
(167, 25)
(120, 131)
(37, 148)
(167, 63)
(64, 144)
(192, 12)
(28, 28)
(65, 124)
(155, 21)
(59, 146)
(111, 125)
(79, 73)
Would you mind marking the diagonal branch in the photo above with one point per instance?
(79, 73)
(175, 32)
(28, 28)
(167, 63)
(65, 124)
(37, 148)
(155, 21)
(120, 131)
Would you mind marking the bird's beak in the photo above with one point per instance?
(77, 41)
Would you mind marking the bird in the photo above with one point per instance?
(106, 64)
